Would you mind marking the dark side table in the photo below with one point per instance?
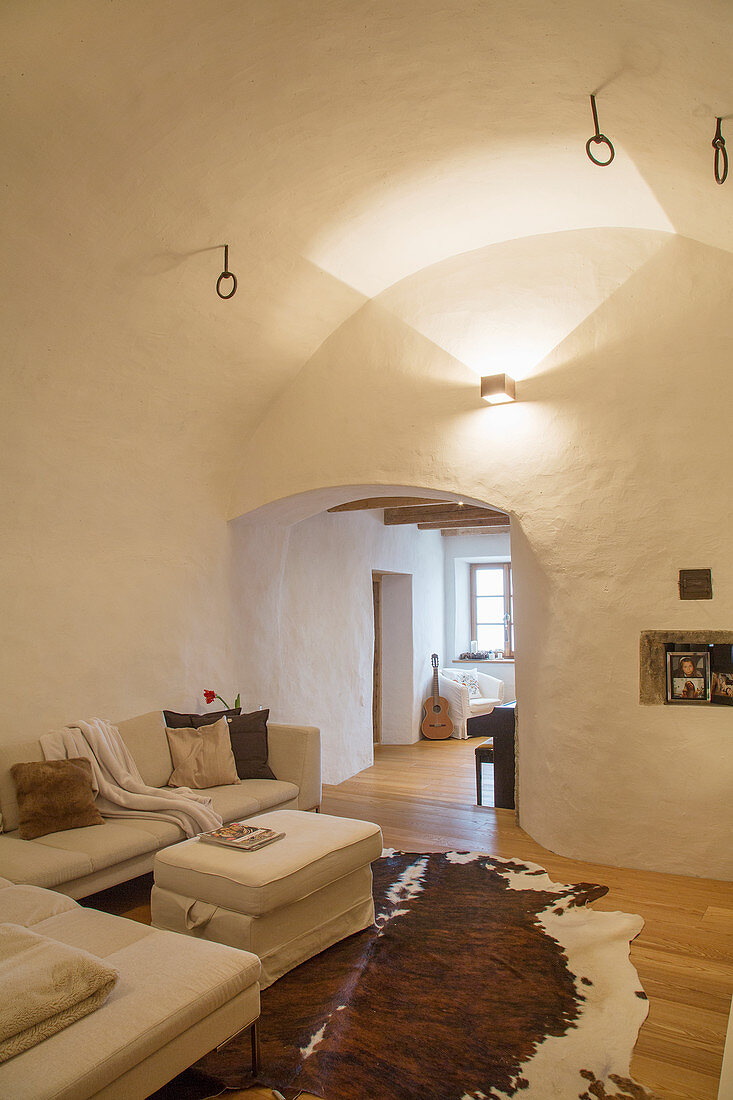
(499, 727)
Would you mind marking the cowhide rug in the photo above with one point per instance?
(481, 980)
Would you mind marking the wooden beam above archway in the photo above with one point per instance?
(445, 511)
(382, 502)
(446, 524)
(446, 516)
(447, 532)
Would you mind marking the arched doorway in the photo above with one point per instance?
(306, 566)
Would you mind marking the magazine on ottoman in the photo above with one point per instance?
(248, 838)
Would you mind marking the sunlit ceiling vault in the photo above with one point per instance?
(430, 155)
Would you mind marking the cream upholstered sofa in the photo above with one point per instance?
(175, 1000)
(462, 705)
(79, 862)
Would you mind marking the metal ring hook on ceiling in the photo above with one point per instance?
(720, 161)
(226, 274)
(598, 139)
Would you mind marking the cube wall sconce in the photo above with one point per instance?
(497, 389)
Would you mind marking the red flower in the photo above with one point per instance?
(209, 696)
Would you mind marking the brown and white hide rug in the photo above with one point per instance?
(480, 980)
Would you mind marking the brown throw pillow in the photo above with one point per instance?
(176, 721)
(201, 757)
(54, 795)
(248, 735)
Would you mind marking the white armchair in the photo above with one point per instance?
(462, 705)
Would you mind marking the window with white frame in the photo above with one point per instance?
(492, 607)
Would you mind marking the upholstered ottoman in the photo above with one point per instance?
(285, 902)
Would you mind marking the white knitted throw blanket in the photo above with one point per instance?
(120, 789)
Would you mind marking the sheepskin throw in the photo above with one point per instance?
(45, 986)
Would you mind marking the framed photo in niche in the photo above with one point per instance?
(722, 688)
(688, 677)
(721, 671)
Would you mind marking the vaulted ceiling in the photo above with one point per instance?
(427, 153)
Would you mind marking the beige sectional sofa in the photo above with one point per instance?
(78, 862)
(176, 999)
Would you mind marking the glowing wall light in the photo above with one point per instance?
(497, 389)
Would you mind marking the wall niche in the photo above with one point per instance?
(653, 657)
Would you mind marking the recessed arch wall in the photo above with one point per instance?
(302, 601)
(604, 464)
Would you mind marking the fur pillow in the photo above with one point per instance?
(202, 757)
(54, 795)
(248, 734)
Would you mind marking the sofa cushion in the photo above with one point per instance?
(145, 738)
(54, 795)
(29, 905)
(248, 735)
(245, 798)
(176, 721)
(482, 706)
(97, 932)
(34, 862)
(162, 832)
(113, 843)
(269, 793)
(202, 757)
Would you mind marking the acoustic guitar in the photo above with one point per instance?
(436, 725)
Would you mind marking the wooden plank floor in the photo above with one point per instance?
(423, 796)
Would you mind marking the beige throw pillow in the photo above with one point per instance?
(202, 757)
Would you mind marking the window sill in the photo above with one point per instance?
(483, 661)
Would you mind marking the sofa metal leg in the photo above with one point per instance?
(254, 1034)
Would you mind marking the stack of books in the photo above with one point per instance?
(247, 838)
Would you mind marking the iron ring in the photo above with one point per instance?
(600, 139)
(719, 146)
(226, 275)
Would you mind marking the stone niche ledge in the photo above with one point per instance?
(653, 657)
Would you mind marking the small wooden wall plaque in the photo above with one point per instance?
(696, 584)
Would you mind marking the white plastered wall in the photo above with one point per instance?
(305, 626)
(115, 566)
(611, 465)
